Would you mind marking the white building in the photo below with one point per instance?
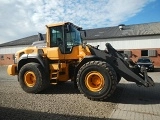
(135, 40)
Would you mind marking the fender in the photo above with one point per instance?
(25, 58)
(88, 58)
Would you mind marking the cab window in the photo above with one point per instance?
(56, 36)
(72, 38)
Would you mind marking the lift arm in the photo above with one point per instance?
(126, 69)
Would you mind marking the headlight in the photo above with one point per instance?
(139, 66)
(151, 66)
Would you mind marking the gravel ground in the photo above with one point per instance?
(57, 102)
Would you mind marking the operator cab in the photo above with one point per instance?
(65, 36)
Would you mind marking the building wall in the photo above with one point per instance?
(133, 44)
(128, 42)
(11, 49)
(7, 54)
(6, 59)
(136, 53)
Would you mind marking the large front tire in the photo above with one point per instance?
(96, 80)
(32, 78)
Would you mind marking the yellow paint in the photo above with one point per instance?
(83, 52)
(28, 50)
(94, 81)
(11, 70)
(56, 69)
(64, 77)
(54, 66)
(73, 54)
(63, 60)
(78, 52)
(56, 24)
(63, 65)
(30, 79)
(54, 53)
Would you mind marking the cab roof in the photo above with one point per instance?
(62, 23)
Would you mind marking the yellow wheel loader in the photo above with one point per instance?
(63, 56)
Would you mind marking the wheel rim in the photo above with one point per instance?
(30, 79)
(94, 81)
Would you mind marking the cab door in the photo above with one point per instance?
(64, 42)
(72, 42)
(56, 50)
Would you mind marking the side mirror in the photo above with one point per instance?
(85, 34)
(40, 37)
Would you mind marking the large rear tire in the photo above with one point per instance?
(32, 78)
(97, 80)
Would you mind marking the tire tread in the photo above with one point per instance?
(112, 75)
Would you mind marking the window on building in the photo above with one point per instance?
(152, 53)
(2, 57)
(149, 53)
(121, 51)
(144, 52)
(128, 53)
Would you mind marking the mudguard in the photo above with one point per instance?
(25, 58)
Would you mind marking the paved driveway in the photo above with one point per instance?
(139, 103)
(56, 103)
(64, 102)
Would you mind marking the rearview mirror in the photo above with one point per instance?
(85, 34)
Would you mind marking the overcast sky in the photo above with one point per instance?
(22, 18)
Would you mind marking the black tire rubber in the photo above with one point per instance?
(106, 71)
(118, 78)
(41, 79)
(61, 82)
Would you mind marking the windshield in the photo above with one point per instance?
(144, 60)
(73, 36)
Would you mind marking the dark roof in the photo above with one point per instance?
(23, 41)
(103, 33)
(127, 31)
